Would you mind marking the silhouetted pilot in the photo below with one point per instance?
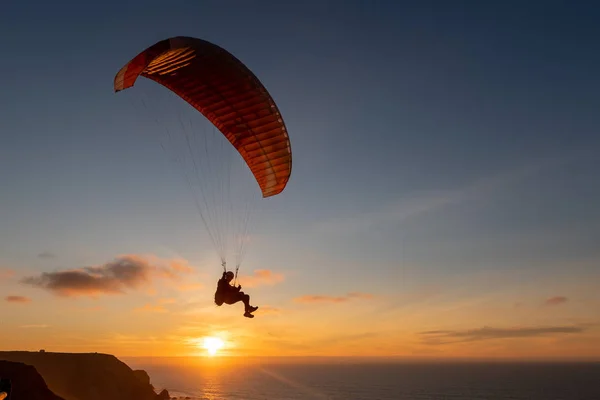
(228, 294)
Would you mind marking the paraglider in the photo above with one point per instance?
(230, 96)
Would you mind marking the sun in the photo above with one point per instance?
(212, 345)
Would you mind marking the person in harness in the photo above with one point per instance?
(228, 294)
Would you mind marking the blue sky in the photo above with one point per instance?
(431, 141)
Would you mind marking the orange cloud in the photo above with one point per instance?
(556, 300)
(333, 299)
(125, 272)
(17, 299)
(262, 277)
(173, 268)
(181, 265)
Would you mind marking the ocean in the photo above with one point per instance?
(370, 381)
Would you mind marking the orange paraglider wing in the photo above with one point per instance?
(228, 94)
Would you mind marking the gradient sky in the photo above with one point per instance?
(444, 199)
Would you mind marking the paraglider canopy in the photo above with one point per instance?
(228, 94)
(239, 109)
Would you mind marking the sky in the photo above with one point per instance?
(443, 200)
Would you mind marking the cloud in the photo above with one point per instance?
(124, 272)
(262, 277)
(46, 255)
(17, 299)
(488, 333)
(425, 203)
(308, 299)
(556, 300)
(35, 326)
(178, 266)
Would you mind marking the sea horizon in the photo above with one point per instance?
(516, 380)
(224, 359)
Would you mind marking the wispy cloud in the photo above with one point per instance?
(125, 272)
(424, 203)
(556, 300)
(178, 266)
(46, 255)
(17, 299)
(262, 277)
(35, 326)
(487, 333)
(309, 299)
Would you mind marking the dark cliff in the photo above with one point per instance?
(86, 376)
(26, 382)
